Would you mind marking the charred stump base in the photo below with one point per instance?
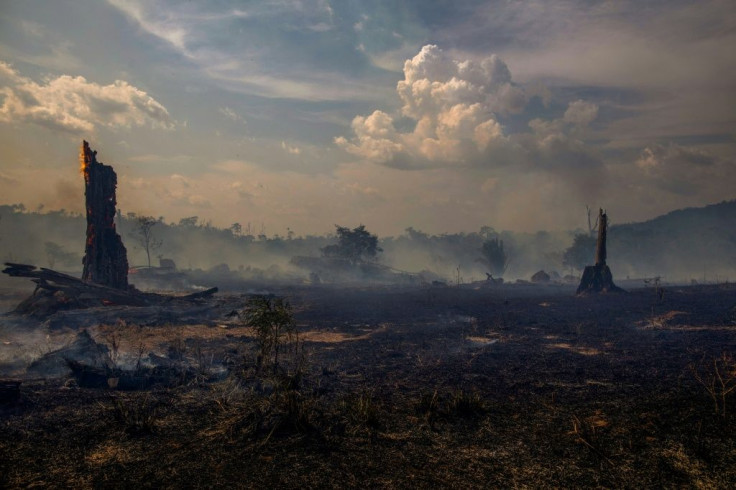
(597, 279)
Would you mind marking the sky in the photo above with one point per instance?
(444, 116)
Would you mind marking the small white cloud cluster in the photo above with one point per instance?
(656, 158)
(76, 105)
(454, 105)
(229, 113)
(682, 170)
(580, 113)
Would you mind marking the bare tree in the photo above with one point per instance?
(144, 234)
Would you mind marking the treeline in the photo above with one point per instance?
(684, 244)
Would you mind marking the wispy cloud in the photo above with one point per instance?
(231, 114)
(282, 49)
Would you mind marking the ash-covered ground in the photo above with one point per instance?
(470, 386)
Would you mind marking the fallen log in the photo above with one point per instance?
(58, 291)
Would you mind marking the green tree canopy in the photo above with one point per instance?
(355, 245)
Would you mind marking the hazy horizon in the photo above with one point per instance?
(306, 114)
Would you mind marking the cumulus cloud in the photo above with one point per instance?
(455, 105)
(581, 113)
(75, 104)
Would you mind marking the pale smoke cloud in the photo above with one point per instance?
(76, 105)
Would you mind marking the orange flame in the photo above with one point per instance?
(84, 161)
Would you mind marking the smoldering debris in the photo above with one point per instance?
(85, 343)
(83, 350)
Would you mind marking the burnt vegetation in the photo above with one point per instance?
(393, 387)
(360, 361)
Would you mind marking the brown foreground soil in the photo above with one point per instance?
(413, 387)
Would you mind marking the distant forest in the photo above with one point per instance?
(693, 243)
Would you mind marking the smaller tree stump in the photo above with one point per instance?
(598, 278)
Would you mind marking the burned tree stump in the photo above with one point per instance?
(105, 258)
(598, 278)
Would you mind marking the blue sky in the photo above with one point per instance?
(444, 116)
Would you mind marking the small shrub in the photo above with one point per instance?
(718, 376)
(587, 432)
(286, 413)
(272, 321)
(362, 412)
(137, 416)
(428, 407)
(466, 404)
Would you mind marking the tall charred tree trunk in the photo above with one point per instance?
(105, 258)
(600, 246)
(598, 278)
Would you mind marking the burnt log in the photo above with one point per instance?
(57, 291)
(105, 258)
(598, 278)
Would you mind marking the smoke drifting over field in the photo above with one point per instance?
(684, 245)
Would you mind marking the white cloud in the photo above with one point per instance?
(456, 107)
(291, 149)
(454, 104)
(77, 105)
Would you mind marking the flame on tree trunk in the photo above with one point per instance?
(598, 278)
(105, 258)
